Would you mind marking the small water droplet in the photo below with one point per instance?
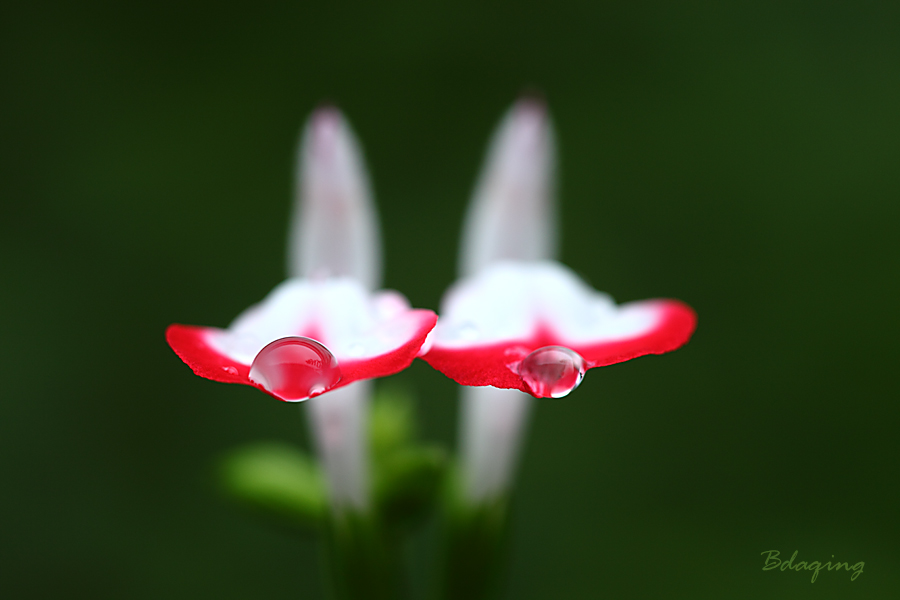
(295, 368)
(516, 353)
(230, 370)
(552, 371)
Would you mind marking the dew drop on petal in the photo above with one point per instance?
(552, 371)
(295, 368)
(513, 357)
(230, 370)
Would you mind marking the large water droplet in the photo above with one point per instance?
(552, 371)
(295, 368)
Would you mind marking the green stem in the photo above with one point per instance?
(474, 549)
(364, 560)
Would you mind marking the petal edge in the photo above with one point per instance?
(494, 364)
(190, 344)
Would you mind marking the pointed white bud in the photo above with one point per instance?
(334, 228)
(512, 215)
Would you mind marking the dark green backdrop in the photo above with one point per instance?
(740, 156)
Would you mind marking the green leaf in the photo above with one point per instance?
(278, 480)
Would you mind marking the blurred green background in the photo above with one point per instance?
(740, 156)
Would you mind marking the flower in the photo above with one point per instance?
(521, 321)
(322, 330)
(518, 320)
(312, 335)
(536, 327)
(369, 335)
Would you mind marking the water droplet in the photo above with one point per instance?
(513, 356)
(230, 370)
(295, 368)
(552, 371)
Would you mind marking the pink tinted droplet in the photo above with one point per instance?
(295, 368)
(552, 371)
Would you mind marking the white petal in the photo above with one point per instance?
(334, 231)
(510, 301)
(351, 322)
(512, 215)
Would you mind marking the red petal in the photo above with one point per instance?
(390, 362)
(191, 344)
(491, 364)
(675, 327)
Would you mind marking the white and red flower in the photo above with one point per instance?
(334, 259)
(492, 321)
(370, 335)
(516, 320)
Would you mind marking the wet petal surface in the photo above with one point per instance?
(370, 335)
(491, 322)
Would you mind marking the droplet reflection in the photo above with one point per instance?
(552, 371)
(295, 368)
